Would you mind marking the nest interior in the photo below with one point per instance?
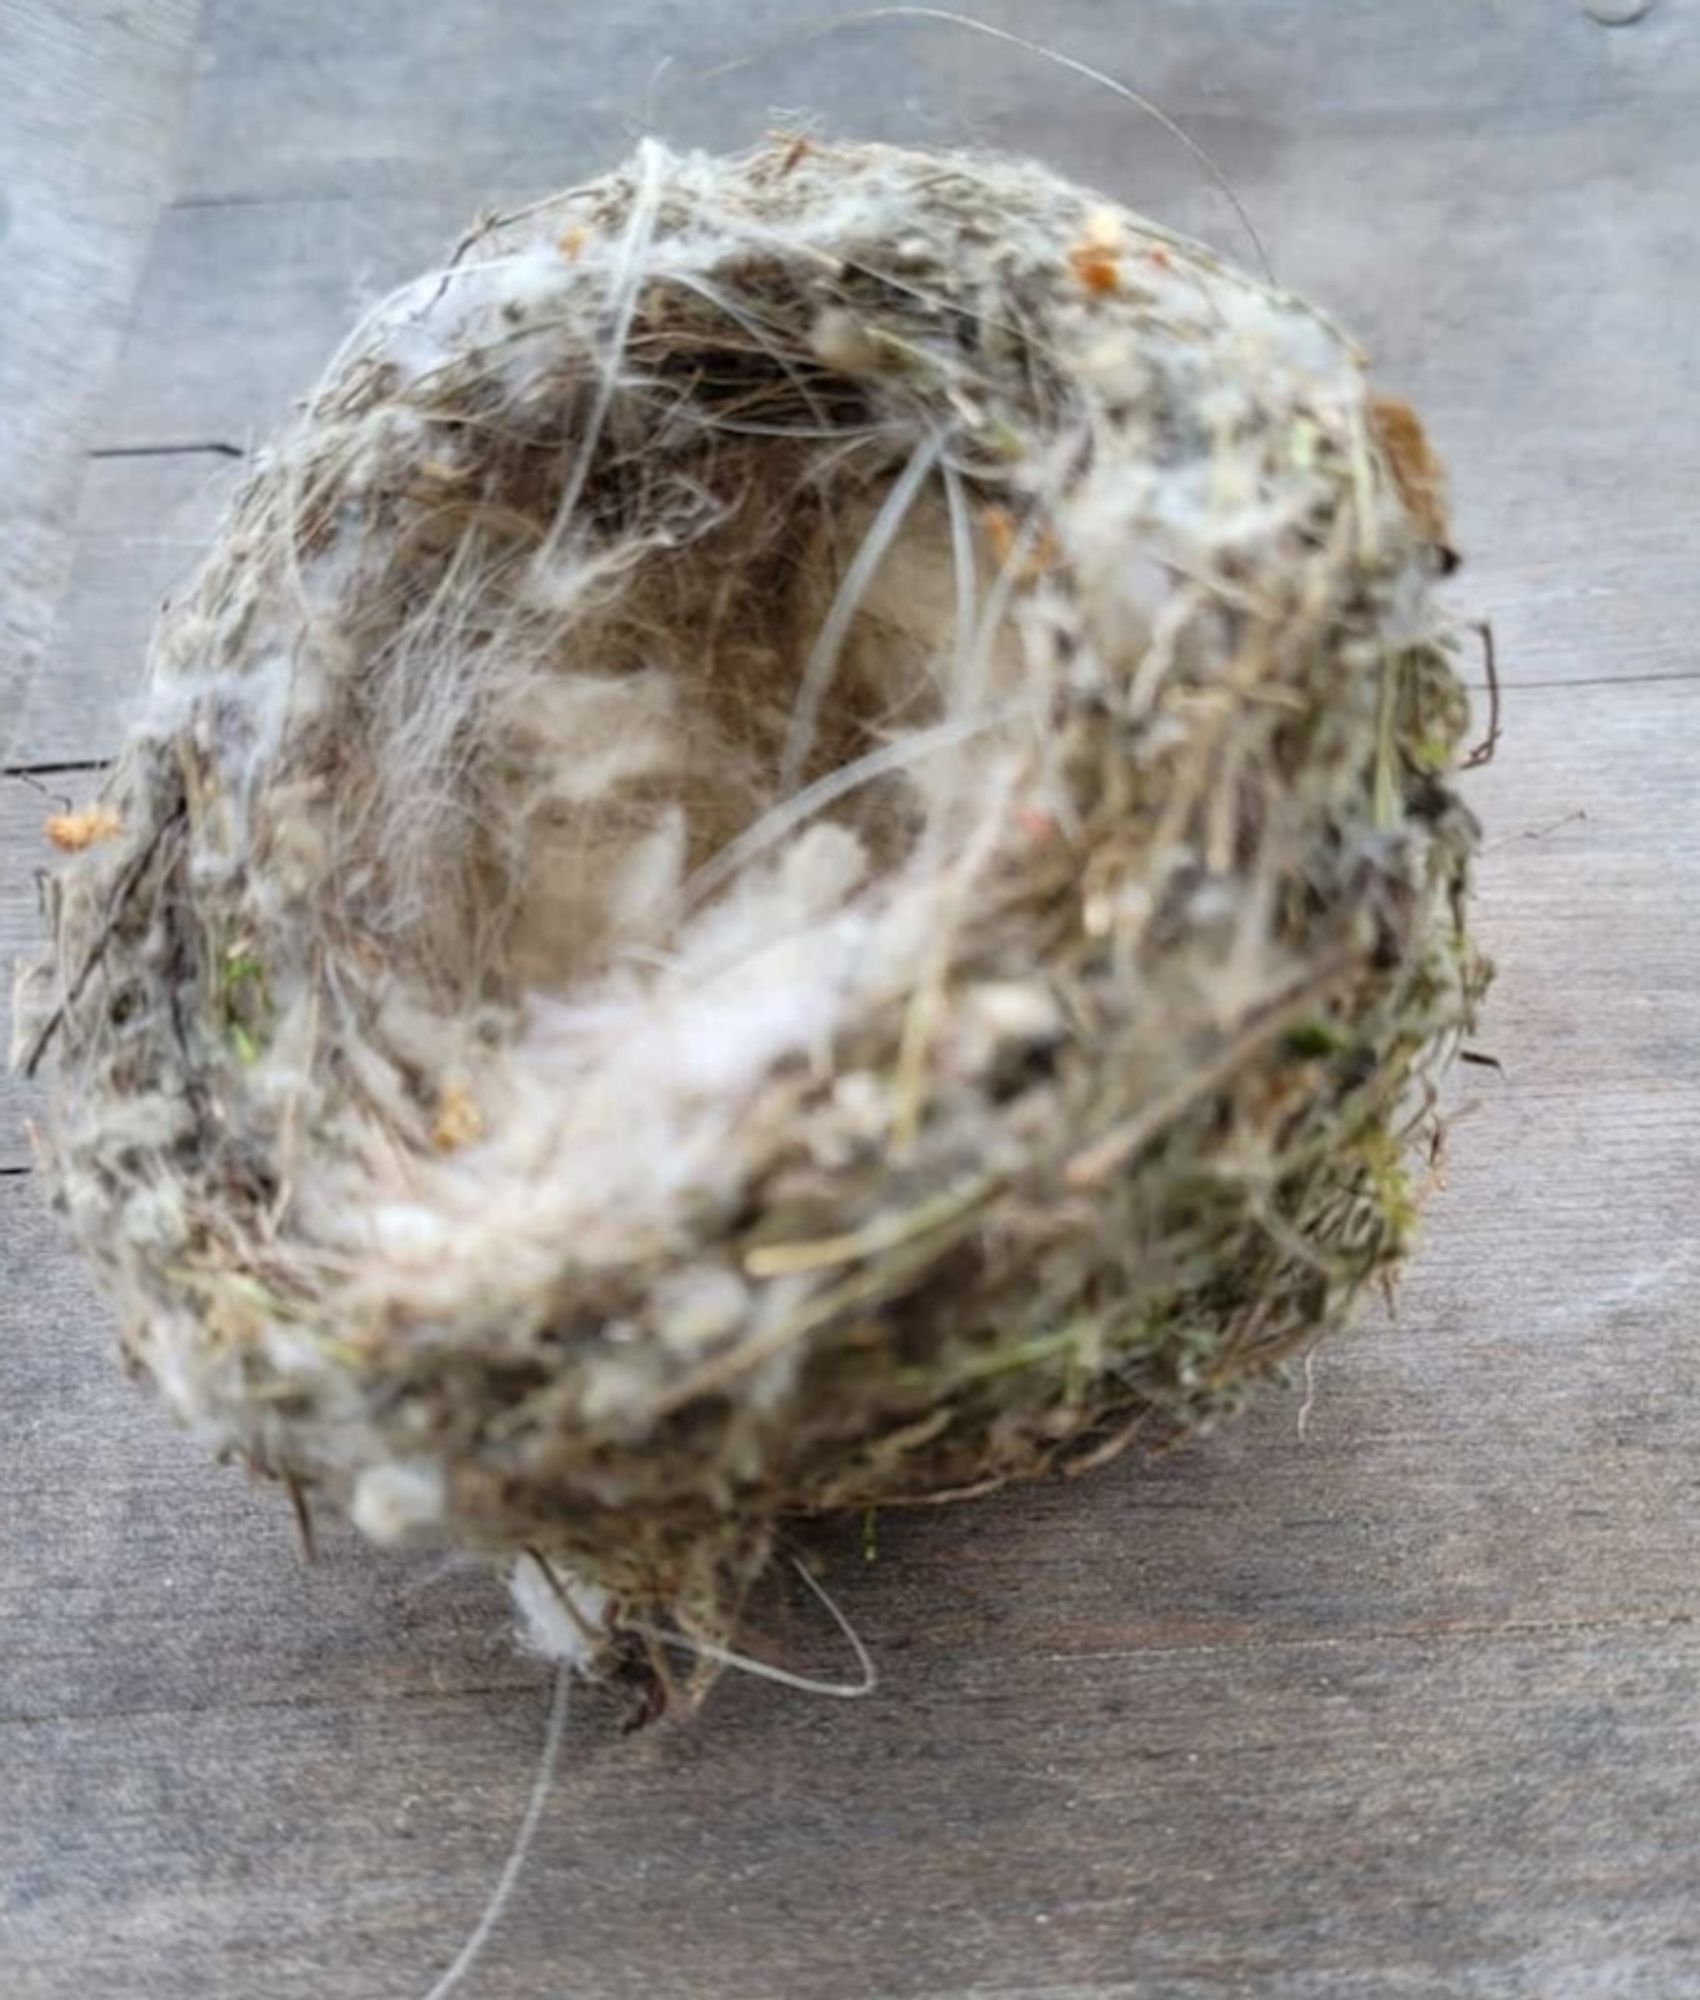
(796, 852)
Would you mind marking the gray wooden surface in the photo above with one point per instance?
(1402, 1699)
(92, 101)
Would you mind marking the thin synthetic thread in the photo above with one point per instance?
(816, 676)
(971, 24)
(512, 1868)
(763, 1670)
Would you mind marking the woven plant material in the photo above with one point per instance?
(796, 852)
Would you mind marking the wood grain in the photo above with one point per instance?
(1036, 1831)
(353, 102)
(143, 523)
(93, 99)
(1392, 1689)
(1437, 1615)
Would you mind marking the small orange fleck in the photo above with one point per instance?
(1042, 553)
(1096, 266)
(1159, 256)
(1000, 532)
(73, 831)
(459, 1120)
(570, 243)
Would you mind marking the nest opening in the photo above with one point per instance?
(584, 713)
(663, 728)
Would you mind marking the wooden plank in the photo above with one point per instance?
(1443, 1689)
(1028, 1828)
(1403, 1649)
(134, 1565)
(1586, 573)
(143, 524)
(1400, 1699)
(322, 100)
(93, 100)
(1422, 245)
(242, 306)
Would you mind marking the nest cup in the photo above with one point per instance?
(795, 853)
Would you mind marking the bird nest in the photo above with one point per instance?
(796, 852)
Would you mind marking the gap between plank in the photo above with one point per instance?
(69, 767)
(1292, 1643)
(210, 447)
